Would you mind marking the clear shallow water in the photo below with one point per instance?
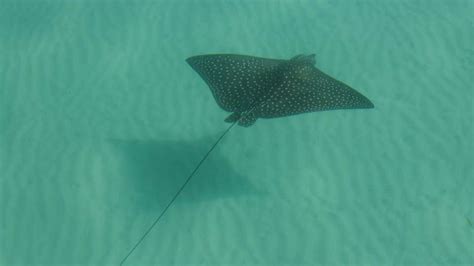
(101, 120)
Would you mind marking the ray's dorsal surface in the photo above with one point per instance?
(254, 87)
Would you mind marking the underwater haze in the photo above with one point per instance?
(102, 120)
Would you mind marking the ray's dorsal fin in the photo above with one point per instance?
(248, 119)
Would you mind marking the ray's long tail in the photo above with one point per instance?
(178, 192)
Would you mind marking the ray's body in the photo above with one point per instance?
(253, 87)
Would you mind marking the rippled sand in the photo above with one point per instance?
(101, 120)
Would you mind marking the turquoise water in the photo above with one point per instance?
(101, 120)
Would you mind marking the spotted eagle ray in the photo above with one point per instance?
(253, 87)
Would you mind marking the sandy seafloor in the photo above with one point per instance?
(101, 121)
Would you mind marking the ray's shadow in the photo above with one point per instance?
(153, 172)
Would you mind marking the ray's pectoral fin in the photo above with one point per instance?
(233, 117)
(247, 119)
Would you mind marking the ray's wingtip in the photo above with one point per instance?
(191, 61)
(367, 104)
(191, 58)
(371, 105)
